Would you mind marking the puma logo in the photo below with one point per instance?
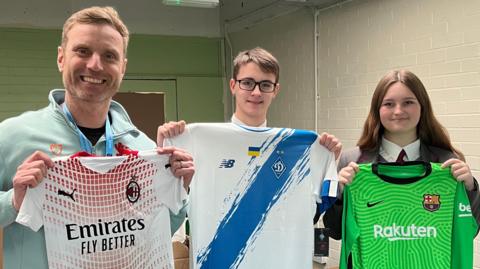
(64, 193)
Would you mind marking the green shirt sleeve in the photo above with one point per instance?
(350, 230)
(464, 230)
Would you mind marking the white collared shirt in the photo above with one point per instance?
(389, 150)
(239, 122)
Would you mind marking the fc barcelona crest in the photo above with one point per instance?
(133, 190)
(431, 202)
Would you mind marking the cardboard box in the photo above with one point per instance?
(180, 255)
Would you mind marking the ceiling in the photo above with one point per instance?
(238, 14)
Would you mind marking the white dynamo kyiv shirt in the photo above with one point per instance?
(253, 194)
(106, 212)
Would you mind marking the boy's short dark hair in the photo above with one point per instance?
(264, 59)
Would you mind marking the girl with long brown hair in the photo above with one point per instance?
(401, 127)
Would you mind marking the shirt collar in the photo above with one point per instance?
(389, 150)
(239, 122)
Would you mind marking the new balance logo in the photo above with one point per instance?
(64, 193)
(227, 163)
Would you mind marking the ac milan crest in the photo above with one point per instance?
(431, 202)
(133, 190)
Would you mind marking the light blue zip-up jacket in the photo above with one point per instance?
(49, 131)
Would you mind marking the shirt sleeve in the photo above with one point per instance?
(349, 228)
(183, 141)
(177, 191)
(324, 174)
(31, 211)
(169, 188)
(464, 230)
(474, 199)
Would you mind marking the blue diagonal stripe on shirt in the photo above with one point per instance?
(247, 215)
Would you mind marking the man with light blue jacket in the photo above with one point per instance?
(92, 60)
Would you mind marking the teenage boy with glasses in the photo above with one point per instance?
(254, 84)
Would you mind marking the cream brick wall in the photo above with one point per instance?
(438, 40)
(290, 39)
(359, 41)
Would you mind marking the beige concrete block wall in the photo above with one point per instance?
(359, 41)
(439, 40)
(290, 39)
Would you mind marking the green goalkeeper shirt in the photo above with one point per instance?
(411, 215)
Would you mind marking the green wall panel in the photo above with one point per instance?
(28, 71)
(177, 56)
(199, 99)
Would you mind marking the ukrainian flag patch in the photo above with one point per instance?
(254, 151)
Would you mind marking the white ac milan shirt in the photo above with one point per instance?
(106, 212)
(252, 199)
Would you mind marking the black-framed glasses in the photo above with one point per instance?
(250, 84)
